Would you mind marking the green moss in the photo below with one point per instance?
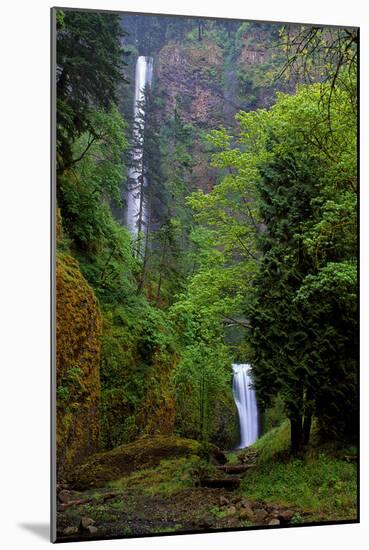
(273, 443)
(78, 331)
(142, 454)
(137, 361)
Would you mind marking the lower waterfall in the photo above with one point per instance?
(245, 399)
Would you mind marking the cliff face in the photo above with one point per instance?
(78, 331)
(189, 80)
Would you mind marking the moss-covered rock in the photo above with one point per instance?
(143, 453)
(137, 392)
(78, 332)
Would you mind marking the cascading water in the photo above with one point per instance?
(136, 207)
(245, 399)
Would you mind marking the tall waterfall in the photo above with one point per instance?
(136, 207)
(245, 400)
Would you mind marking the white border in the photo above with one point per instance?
(24, 285)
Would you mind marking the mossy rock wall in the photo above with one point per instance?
(78, 333)
(137, 392)
(156, 414)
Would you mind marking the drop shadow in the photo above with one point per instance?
(42, 530)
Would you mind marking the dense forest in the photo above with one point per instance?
(205, 218)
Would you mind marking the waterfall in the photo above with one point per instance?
(245, 400)
(136, 207)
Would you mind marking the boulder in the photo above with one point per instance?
(146, 452)
(246, 514)
(259, 515)
(285, 515)
(70, 531)
(64, 496)
(231, 511)
(223, 501)
(85, 523)
(274, 521)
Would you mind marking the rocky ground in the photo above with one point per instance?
(140, 506)
(132, 513)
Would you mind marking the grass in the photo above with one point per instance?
(232, 457)
(172, 529)
(166, 479)
(274, 443)
(322, 484)
(218, 513)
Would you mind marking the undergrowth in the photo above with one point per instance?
(322, 483)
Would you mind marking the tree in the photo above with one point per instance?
(284, 234)
(89, 68)
(281, 335)
(303, 321)
(322, 54)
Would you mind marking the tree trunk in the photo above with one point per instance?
(296, 434)
(306, 429)
(162, 260)
(145, 257)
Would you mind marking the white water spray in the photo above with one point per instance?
(136, 207)
(245, 399)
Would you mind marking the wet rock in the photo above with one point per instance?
(274, 521)
(64, 496)
(205, 523)
(259, 515)
(223, 501)
(246, 514)
(70, 531)
(85, 523)
(285, 515)
(231, 511)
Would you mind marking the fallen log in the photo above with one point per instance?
(230, 483)
(63, 506)
(108, 496)
(66, 505)
(235, 468)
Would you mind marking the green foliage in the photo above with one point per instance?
(274, 415)
(204, 403)
(308, 290)
(137, 352)
(85, 83)
(324, 487)
(282, 223)
(84, 192)
(270, 248)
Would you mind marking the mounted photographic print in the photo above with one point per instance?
(205, 328)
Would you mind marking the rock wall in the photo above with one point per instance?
(189, 79)
(137, 393)
(78, 331)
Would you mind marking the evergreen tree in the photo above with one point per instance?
(89, 69)
(281, 334)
